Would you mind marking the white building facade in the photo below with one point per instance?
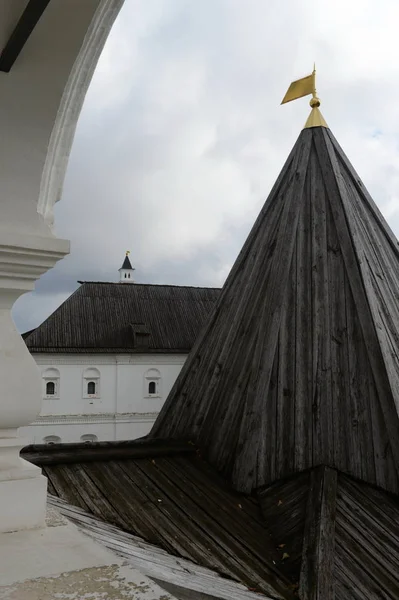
(87, 397)
(109, 356)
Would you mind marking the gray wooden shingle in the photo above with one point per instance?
(318, 535)
(175, 502)
(111, 317)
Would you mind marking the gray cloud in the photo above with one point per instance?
(182, 136)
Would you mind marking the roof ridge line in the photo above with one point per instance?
(135, 283)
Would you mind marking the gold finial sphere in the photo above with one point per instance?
(314, 102)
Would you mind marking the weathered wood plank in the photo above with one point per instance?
(375, 579)
(128, 501)
(154, 562)
(234, 417)
(361, 393)
(380, 544)
(283, 507)
(204, 476)
(93, 496)
(62, 486)
(173, 529)
(233, 511)
(350, 245)
(286, 392)
(303, 340)
(351, 583)
(362, 192)
(167, 424)
(234, 550)
(252, 448)
(50, 488)
(344, 442)
(317, 571)
(322, 390)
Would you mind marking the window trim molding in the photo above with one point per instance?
(153, 376)
(51, 375)
(91, 375)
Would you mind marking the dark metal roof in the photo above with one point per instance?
(27, 334)
(127, 264)
(116, 317)
(320, 535)
(298, 364)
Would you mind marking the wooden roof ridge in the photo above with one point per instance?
(149, 285)
(298, 363)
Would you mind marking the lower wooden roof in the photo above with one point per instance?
(180, 577)
(341, 536)
(320, 535)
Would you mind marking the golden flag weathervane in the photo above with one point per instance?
(304, 87)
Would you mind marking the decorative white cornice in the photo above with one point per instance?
(24, 258)
(73, 359)
(71, 104)
(109, 359)
(96, 418)
(157, 359)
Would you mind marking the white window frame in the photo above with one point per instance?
(153, 376)
(91, 374)
(51, 376)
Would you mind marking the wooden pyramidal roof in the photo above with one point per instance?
(298, 363)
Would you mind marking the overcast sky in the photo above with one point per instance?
(182, 133)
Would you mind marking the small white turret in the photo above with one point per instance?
(126, 270)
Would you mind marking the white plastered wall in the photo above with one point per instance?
(123, 409)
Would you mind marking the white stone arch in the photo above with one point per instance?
(51, 383)
(71, 103)
(88, 438)
(51, 373)
(40, 100)
(91, 383)
(52, 439)
(152, 383)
